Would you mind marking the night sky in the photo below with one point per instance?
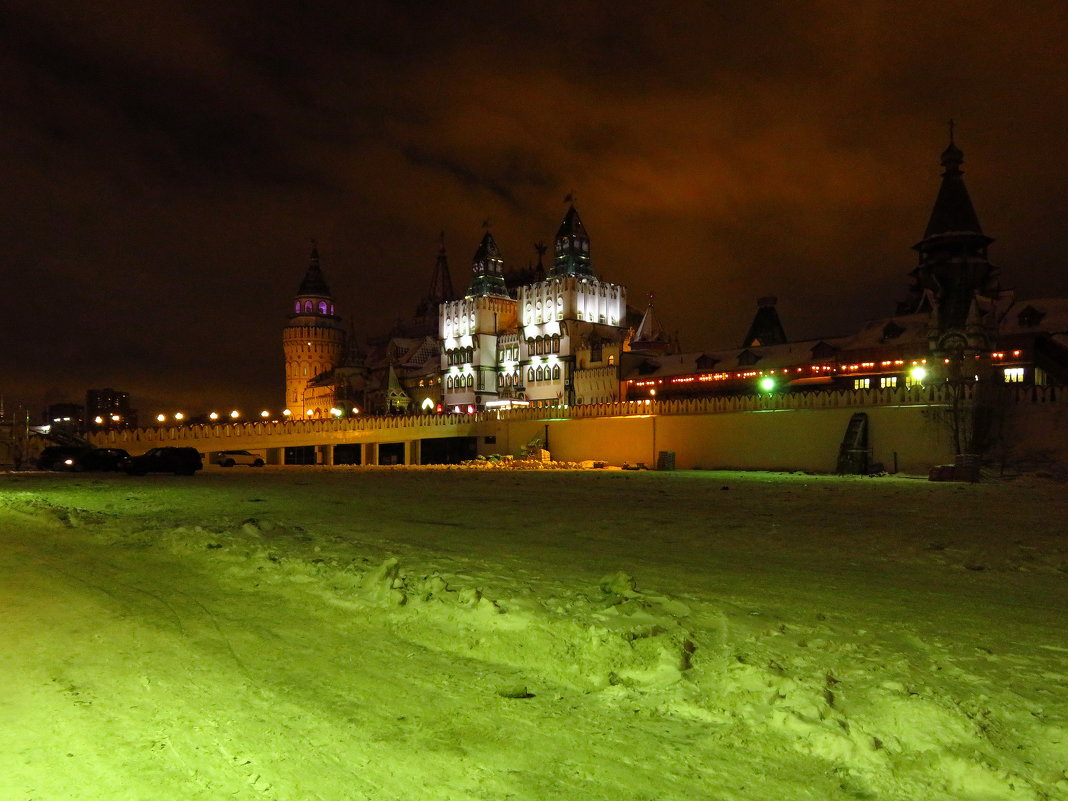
(166, 164)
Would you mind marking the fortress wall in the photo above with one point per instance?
(802, 433)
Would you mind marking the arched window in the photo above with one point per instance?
(470, 380)
(322, 307)
(538, 375)
(556, 344)
(448, 383)
(556, 371)
(307, 305)
(611, 359)
(298, 307)
(530, 374)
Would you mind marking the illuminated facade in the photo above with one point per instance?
(469, 329)
(556, 335)
(564, 320)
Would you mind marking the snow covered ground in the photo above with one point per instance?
(348, 633)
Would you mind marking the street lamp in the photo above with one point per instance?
(235, 414)
(161, 418)
(213, 416)
(179, 416)
(265, 414)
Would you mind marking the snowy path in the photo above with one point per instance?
(794, 637)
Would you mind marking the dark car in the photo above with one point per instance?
(78, 457)
(180, 461)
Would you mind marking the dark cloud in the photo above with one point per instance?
(165, 164)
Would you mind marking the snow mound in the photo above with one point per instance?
(34, 507)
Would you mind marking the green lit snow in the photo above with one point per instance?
(443, 634)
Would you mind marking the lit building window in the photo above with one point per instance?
(861, 383)
(888, 381)
(1014, 375)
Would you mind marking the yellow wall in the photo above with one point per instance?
(785, 440)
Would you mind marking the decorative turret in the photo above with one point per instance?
(487, 268)
(313, 297)
(953, 216)
(954, 270)
(650, 336)
(440, 283)
(572, 247)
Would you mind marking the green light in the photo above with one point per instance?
(767, 384)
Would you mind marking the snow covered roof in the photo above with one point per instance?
(774, 357)
(1043, 315)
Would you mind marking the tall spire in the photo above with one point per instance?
(539, 269)
(487, 268)
(766, 328)
(572, 246)
(314, 282)
(953, 213)
(441, 288)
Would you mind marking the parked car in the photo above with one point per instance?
(231, 458)
(78, 457)
(180, 461)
